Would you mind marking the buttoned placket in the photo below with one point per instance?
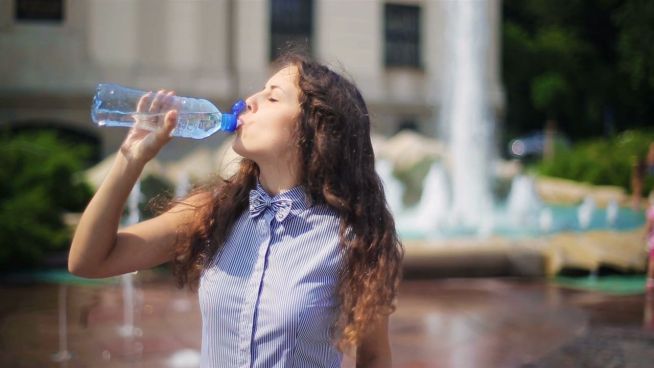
(253, 291)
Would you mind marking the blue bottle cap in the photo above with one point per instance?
(230, 121)
(238, 107)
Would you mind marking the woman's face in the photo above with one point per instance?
(267, 127)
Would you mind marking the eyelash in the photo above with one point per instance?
(272, 100)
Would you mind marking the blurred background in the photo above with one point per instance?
(514, 139)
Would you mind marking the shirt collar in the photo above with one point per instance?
(295, 194)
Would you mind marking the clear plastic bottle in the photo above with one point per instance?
(115, 105)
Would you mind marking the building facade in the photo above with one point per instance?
(54, 53)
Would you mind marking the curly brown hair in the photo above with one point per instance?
(337, 168)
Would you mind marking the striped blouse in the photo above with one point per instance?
(268, 298)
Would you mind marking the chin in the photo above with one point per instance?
(237, 146)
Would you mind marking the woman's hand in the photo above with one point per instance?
(148, 135)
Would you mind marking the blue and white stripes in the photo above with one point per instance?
(269, 297)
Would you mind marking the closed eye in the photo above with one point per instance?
(272, 99)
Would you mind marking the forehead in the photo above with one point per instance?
(286, 77)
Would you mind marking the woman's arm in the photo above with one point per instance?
(375, 349)
(98, 249)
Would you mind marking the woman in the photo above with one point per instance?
(649, 238)
(640, 170)
(295, 257)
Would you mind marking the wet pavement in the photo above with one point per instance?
(439, 323)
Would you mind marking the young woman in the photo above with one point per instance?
(295, 257)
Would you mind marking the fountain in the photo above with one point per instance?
(183, 184)
(392, 186)
(461, 211)
(612, 210)
(430, 214)
(585, 213)
(128, 330)
(457, 197)
(523, 203)
(466, 116)
(545, 220)
(432, 209)
(182, 358)
(185, 358)
(63, 355)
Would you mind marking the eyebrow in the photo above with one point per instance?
(273, 86)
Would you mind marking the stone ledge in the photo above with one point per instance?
(531, 257)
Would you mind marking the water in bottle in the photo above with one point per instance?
(115, 105)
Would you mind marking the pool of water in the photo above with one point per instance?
(562, 219)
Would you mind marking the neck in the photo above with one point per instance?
(276, 179)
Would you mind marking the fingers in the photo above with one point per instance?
(155, 120)
(144, 102)
(162, 101)
(155, 140)
(155, 105)
(170, 122)
(170, 119)
(167, 101)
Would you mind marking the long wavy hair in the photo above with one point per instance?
(337, 168)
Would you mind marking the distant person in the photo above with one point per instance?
(642, 168)
(295, 257)
(648, 315)
(649, 233)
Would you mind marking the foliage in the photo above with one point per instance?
(587, 64)
(157, 192)
(635, 41)
(601, 161)
(38, 183)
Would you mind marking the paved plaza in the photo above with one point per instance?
(458, 323)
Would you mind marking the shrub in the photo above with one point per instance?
(38, 183)
(157, 192)
(601, 161)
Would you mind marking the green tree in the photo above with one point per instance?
(636, 21)
(601, 161)
(586, 63)
(39, 182)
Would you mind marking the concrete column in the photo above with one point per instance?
(252, 44)
(350, 42)
(113, 28)
(182, 34)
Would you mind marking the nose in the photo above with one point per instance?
(251, 103)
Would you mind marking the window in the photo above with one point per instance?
(39, 10)
(402, 35)
(291, 23)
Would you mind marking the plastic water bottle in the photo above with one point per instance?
(115, 105)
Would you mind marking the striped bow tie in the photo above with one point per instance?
(259, 202)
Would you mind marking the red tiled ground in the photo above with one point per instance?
(441, 323)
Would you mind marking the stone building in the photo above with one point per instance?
(54, 52)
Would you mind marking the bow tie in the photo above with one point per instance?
(259, 202)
